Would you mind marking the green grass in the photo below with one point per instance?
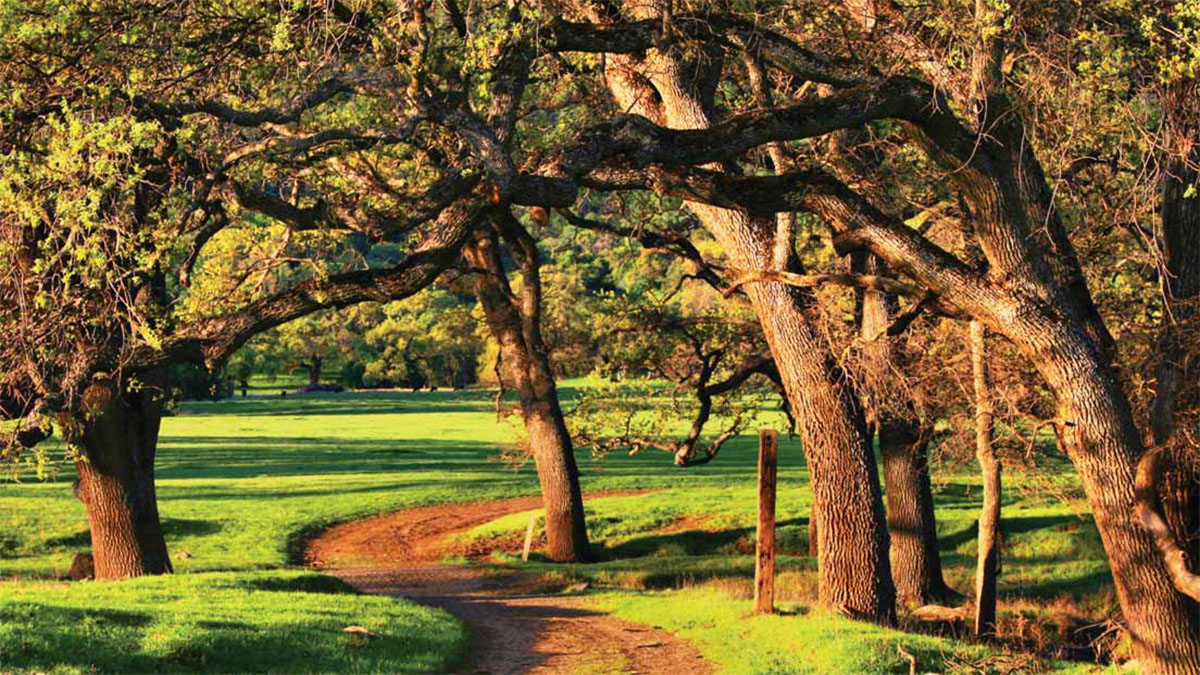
(242, 482)
(280, 622)
(802, 641)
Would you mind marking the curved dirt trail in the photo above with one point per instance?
(518, 623)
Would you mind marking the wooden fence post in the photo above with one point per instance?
(529, 536)
(764, 550)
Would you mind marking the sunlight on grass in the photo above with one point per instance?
(242, 482)
(799, 640)
(220, 622)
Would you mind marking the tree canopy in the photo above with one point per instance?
(176, 179)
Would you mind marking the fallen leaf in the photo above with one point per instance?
(359, 630)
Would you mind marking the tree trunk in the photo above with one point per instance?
(1177, 381)
(562, 498)
(853, 567)
(988, 563)
(314, 371)
(1096, 430)
(915, 559)
(525, 367)
(852, 561)
(118, 438)
(1098, 434)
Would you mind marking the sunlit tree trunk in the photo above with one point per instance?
(988, 563)
(1104, 445)
(525, 368)
(117, 438)
(853, 566)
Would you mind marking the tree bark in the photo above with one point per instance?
(813, 540)
(853, 566)
(1095, 424)
(915, 559)
(988, 562)
(525, 367)
(1176, 382)
(1098, 434)
(118, 438)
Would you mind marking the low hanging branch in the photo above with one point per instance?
(867, 281)
(872, 282)
(674, 243)
(904, 320)
(1149, 473)
(690, 451)
(685, 453)
(290, 112)
(213, 340)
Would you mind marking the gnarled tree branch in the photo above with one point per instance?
(1149, 472)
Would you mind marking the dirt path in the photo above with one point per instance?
(517, 623)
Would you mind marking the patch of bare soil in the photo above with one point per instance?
(516, 626)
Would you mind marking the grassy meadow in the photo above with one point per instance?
(243, 481)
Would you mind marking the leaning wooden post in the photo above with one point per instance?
(764, 557)
(529, 536)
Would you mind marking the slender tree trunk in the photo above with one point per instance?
(915, 558)
(525, 368)
(119, 437)
(988, 563)
(562, 498)
(314, 371)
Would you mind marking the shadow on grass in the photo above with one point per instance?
(1077, 587)
(1012, 526)
(221, 624)
(78, 640)
(309, 583)
(18, 612)
(172, 527)
(112, 641)
(81, 539)
(791, 539)
(216, 457)
(349, 403)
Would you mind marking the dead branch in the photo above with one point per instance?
(1149, 472)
